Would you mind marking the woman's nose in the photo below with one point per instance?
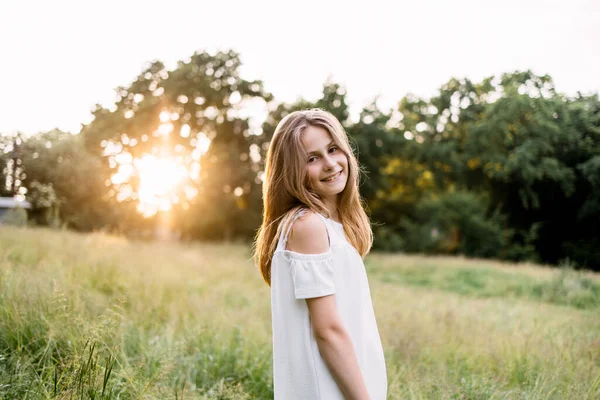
(328, 162)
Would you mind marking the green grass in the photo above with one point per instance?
(567, 287)
(100, 317)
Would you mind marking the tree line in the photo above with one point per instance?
(504, 168)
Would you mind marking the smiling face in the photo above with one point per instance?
(326, 166)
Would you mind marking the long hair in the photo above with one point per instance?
(286, 189)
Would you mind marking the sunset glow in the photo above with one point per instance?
(165, 176)
(159, 179)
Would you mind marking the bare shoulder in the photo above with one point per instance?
(308, 235)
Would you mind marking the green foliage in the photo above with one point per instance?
(66, 183)
(529, 150)
(455, 223)
(11, 169)
(521, 247)
(45, 203)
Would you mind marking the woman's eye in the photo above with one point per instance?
(332, 149)
(311, 159)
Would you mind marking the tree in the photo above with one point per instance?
(66, 183)
(11, 169)
(191, 117)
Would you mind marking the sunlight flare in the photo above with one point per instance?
(159, 178)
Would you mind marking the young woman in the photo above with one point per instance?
(309, 248)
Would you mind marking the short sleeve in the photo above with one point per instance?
(312, 274)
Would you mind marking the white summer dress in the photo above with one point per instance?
(299, 371)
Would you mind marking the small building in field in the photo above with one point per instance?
(10, 207)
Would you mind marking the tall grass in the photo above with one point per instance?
(565, 286)
(99, 317)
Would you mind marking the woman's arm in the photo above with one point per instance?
(336, 347)
(309, 236)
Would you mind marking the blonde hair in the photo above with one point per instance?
(286, 191)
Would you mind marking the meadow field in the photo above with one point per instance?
(101, 317)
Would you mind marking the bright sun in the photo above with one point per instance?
(162, 179)
(159, 178)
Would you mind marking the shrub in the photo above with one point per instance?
(454, 223)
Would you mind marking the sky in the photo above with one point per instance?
(59, 58)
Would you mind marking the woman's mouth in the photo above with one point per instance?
(332, 178)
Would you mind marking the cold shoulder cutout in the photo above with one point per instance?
(308, 235)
